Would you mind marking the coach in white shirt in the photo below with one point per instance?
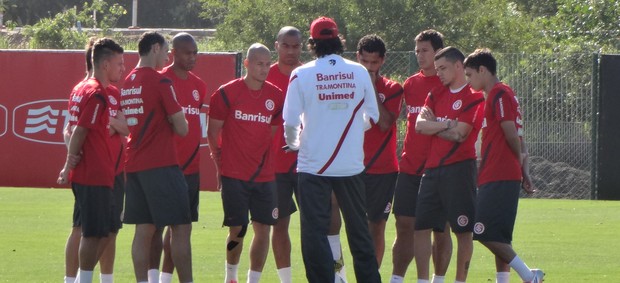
(332, 99)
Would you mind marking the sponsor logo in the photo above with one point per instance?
(414, 109)
(274, 213)
(132, 121)
(4, 120)
(382, 97)
(336, 96)
(41, 121)
(131, 91)
(269, 104)
(478, 228)
(189, 110)
(196, 95)
(112, 100)
(388, 208)
(239, 115)
(457, 104)
(462, 220)
(335, 77)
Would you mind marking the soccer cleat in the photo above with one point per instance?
(538, 276)
(340, 275)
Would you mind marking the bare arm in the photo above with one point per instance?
(78, 136)
(386, 118)
(118, 125)
(427, 123)
(179, 124)
(528, 185)
(214, 130)
(512, 138)
(457, 133)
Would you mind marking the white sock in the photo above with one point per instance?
(153, 276)
(456, 281)
(165, 277)
(423, 281)
(334, 244)
(438, 279)
(254, 276)
(285, 275)
(86, 276)
(521, 268)
(231, 272)
(106, 278)
(69, 279)
(396, 279)
(502, 277)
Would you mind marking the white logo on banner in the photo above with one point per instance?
(41, 121)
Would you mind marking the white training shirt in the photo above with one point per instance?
(331, 98)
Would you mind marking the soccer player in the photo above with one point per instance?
(157, 194)
(411, 167)
(452, 115)
(503, 166)
(89, 157)
(243, 117)
(288, 46)
(330, 98)
(380, 161)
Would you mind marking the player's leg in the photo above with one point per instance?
(72, 247)
(442, 250)
(280, 239)
(405, 198)
(181, 250)
(167, 266)
(235, 202)
(333, 237)
(157, 247)
(264, 211)
(429, 215)
(106, 262)
(379, 197)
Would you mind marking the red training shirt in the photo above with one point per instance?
(246, 137)
(467, 107)
(379, 146)
(416, 146)
(190, 95)
(499, 163)
(116, 141)
(147, 99)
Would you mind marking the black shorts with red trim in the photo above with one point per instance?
(239, 198)
(157, 196)
(406, 194)
(286, 184)
(447, 193)
(379, 195)
(95, 210)
(119, 201)
(193, 186)
(496, 211)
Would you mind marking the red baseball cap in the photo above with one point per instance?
(323, 28)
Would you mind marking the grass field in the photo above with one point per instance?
(573, 241)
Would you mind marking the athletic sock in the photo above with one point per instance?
(334, 244)
(396, 279)
(423, 281)
(502, 277)
(438, 279)
(106, 278)
(69, 279)
(285, 275)
(231, 272)
(521, 268)
(456, 281)
(153, 276)
(165, 277)
(254, 276)
(86, 276)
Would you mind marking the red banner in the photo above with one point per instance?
(35, 85)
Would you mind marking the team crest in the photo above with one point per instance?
(196, 95)
(462, 220)
(382, 97)
(274, 213)
(457, 104)
(479, 228)
(132, 77)
(269, 104)
(332, 62)
(388, 208)
(112, 100)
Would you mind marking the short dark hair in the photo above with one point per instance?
(182, 37)
(435, 37)
(451, 54)
(372, 43)
(103, 48)
(481, 57)
(323, 47)
(147, 40)
(89, 53)
(288, 31)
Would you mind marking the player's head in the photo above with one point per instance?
(152, 44)
(427, 43)
(184, 51)
(288, 45)
(324, 39)
(479, 67)
(371, 52)
(449, 65)
(257, 62)
(108, 59)
(88, 53)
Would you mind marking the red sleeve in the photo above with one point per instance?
(217, 108)
(91, 111)
(394, 99)
(430, 101)
(505, 109)
(202, 91)
(169, 96)
(277, 119)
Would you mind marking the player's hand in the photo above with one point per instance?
(63, 176)
(527, 185)
(427, 114)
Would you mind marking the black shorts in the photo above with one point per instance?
(286, 184)
(496, 211)
(447, 193)
(379, 195)
(406, 194)
(193, 186)
(157, 196)
(240, 197)
(95, 209)
(119, 201)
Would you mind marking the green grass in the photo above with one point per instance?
(573, 241)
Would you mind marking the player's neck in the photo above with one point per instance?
(490, 83)
(146, 62)
(103, 79)
(180, 73)
(287, 69)
(458, 82)
(252, 83)
(429, 72)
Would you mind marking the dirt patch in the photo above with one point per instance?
(559, 180)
